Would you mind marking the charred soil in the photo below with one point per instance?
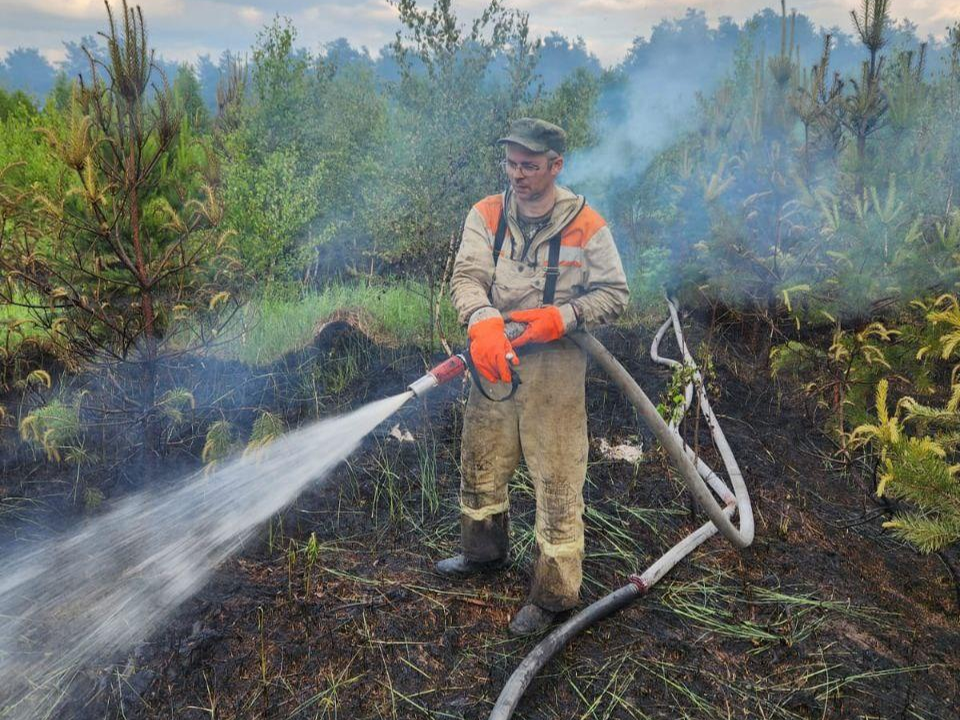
(335, 610)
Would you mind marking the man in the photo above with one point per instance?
(550, 262)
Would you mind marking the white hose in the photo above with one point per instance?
(740, 495)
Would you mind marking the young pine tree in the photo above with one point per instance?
(126, 265)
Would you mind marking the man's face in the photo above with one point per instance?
(531, 174)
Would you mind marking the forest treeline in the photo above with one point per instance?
(151, 215)
(27, 70)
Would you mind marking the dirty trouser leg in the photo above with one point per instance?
(489, 454)
(553, 435)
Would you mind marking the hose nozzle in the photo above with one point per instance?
(453, 367)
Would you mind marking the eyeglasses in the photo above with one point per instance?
(524, 169)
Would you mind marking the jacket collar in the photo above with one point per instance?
(567, 206)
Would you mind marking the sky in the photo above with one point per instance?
(184, 29)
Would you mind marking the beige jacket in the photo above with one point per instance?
(591, 274)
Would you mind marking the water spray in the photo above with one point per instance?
(100, 589)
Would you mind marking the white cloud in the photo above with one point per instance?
(937, 14)
(380, 10)
(251, 15)
(182, 29)
(93, 9)
(615, 6)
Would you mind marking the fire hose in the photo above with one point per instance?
(699, 478)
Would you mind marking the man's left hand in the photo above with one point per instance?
(544, 325)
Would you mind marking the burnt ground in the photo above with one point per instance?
(825, 616)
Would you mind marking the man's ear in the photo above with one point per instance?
(557, 166)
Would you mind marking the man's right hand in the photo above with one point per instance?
(490, 349)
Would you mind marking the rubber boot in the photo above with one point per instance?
(531, 619)
(486, 547)
(461, 566)
(485, 540)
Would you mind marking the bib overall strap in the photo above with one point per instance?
(553, 270)
(498, 238)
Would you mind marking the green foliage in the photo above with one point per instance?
(649, 277)
(93, 498)
(272, 326)
(673, 399)
(121, 246)
(16, 103)
(842, 378)
(311, 553)
(916, 445)
(23, 151)
(917, 448)
(302, 151)
(306, 187)
(271, 204)
(188, 100)
(119, 257)
(795, 357)
(450, 108)
(572, 106)
(17, 325)
(173, 405)
(343, 365)
(802, 193)
(944, 314)
(58, 100)
(671, 406)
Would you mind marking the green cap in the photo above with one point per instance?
(536, 135)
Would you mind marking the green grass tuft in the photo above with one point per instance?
(271, 327)
(16, 325)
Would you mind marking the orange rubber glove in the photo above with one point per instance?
(543, 325)
(489, 350)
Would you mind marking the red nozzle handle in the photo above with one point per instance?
(453, 367)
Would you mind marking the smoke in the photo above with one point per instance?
(638, 117)
(651, 102)
(74, 601)
(754, 207)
